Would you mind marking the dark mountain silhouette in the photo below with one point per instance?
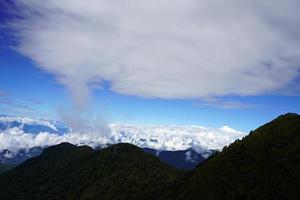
(20, 156)
(264, 165)
(5, 167)
(182, 159)
(64, 171)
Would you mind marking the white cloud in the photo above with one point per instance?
(166, 49)
(169, 137)
(15, 139)
(224, 104)
(28, 121)
(188, 156)
(174, 137)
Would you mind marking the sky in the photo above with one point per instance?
(208, 63)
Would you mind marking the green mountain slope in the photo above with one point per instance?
(65, 171)
(264, 165)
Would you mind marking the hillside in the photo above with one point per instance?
(5, 167)
(64, 171)
(264, 165)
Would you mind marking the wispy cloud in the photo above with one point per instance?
(34, 101)
(3, 93)
(12, 103)
(166, 49)
(224, 104)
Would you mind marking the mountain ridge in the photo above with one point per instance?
(263, 165)
(121, 168)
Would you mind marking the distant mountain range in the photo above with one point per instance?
(263, 165)
(181, 146)
(33, 126)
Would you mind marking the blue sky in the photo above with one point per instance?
(25, 84)
(38, 77)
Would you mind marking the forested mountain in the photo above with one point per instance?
(65, 171)
(263, 165)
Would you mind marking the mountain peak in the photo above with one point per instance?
(288, 115)
(263, 165)
(121, 170)
(283, 126)
(62, 147)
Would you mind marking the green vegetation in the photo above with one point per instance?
(121, 171)
(264, 165)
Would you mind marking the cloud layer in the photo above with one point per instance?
(166, 49)
(14, 137)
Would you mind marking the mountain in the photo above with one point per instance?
(184, 159)
(65, 171)
(263, 165)
(5, 167)
(15, 158)
(33, 126)
(181, 146)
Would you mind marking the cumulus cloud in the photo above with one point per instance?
(166, 49)
(87, 121)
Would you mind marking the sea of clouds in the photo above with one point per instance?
(168, 137)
